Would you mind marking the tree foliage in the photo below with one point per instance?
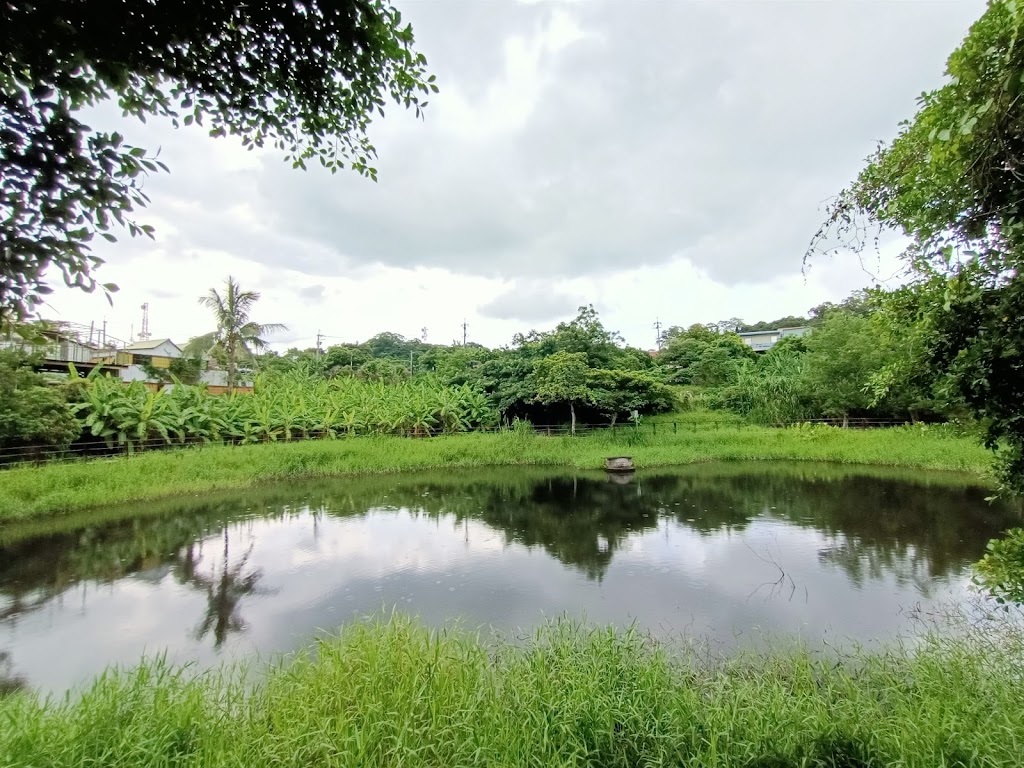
(33, 414)
(618, 378)
(1001, 571)
(951, 181)
(305, 77)
(562, 378)
(702, 357)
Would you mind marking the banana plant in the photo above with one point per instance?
(289, 406)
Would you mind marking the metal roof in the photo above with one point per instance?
(149, 344)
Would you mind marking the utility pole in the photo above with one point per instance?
(423, 334)
(410, 363)
(657, 328)
(319, 338)
(464, 327)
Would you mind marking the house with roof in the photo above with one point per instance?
(58, 345)
(133, 359)
(762, 341)
(140, 358)
(155, 353)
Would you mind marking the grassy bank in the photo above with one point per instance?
(395, 694)
(61, 488)
(438, 489)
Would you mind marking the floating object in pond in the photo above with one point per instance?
(620, 469)
(619, 464)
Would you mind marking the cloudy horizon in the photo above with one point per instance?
(659, 160)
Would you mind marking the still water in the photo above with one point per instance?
(721, 552)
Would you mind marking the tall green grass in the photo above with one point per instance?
(396, 694)
(29, 492)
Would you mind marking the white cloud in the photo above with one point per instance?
(655, 159)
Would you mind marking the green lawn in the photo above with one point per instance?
(55, 489)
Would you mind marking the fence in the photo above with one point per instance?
(100, 449)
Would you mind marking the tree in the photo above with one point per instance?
(951, 182)
(585, 334)
(384, 370)
(562, 378)
(790, 321)
(236, 336)
(704, 358)
(1001, 571)
(33, 414)
(392, 345)
(857, 303)
(842, 355)
(619, 392)
(305, 77)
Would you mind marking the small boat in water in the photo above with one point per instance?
(619, 464)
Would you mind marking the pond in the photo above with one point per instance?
(724, 552)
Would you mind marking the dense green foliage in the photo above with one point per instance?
(281, 407)
(60, 488)
(306, 77)
(950, 182)
(859, 359)
(394, 693)
(608, 379)
(33, 416)
(1001, 571)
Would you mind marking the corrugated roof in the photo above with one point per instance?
(149, 344)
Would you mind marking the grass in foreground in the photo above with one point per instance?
(60, 488)
(396, 694)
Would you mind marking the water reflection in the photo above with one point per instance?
(224, 592)
(10, 681)
(716, 549)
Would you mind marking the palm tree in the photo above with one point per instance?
(236, 337)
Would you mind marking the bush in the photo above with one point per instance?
(1001, 572)
(34, 415)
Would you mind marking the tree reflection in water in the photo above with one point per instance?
(225, 585)
(10, 682)
(874, 525)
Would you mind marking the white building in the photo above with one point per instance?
(157, 353)
(762, 341)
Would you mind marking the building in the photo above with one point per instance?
(762, 341)
(140, 355)
(86, 348)
(57, 345)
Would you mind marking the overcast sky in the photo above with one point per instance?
(657, 159)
